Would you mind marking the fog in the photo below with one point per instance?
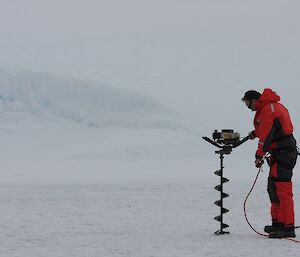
(196, 58)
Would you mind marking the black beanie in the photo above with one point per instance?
(251, 94)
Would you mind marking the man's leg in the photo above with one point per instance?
(276, 224)
(285, 211)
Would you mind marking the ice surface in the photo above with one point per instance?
(93, 103)
(170, 220)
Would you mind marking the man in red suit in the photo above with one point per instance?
(274, 129)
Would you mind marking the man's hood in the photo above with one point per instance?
(268, 96)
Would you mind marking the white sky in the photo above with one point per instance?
(197, 57)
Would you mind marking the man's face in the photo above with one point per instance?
(251, 104)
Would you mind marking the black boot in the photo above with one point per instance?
(283, 232)
(274, 227)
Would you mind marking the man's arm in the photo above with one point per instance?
(266, 122)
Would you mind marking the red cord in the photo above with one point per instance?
(246, 199)
(245, 213)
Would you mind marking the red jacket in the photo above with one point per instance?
(272, 122)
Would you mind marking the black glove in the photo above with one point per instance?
(252, 134)
(258, 161)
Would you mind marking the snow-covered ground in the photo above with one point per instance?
(170, 220)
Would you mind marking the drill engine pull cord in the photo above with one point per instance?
(245, 212)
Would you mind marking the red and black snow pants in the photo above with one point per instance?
(280, 185)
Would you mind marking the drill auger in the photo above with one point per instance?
(225, 141)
